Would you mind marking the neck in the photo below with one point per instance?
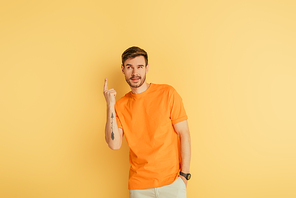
(141, 89)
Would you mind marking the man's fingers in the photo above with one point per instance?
(105, 85)
(111, 91)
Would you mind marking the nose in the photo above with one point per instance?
(135, 71)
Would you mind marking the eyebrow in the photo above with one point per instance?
(137, 65)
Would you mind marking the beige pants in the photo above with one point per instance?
(177, 189)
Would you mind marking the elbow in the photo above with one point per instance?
(114, 147)
(114, 144)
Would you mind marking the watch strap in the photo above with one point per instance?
(187, 176)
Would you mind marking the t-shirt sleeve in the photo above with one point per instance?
(117, 119)
(178, 112)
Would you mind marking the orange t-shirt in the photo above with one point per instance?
(147, 121)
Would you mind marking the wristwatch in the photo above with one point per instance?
(187, 176)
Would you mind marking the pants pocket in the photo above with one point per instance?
(182, 182)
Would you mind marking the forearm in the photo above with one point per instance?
(185, 152)
(112, 135)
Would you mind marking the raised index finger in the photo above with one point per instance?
(105, 85)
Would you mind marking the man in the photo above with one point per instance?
(154, 122)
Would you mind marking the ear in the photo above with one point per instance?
(147, 68)
(122, 69)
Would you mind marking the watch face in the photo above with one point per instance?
(188, 176)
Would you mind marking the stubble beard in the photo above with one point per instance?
(129, 81)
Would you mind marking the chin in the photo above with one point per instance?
(136, 85)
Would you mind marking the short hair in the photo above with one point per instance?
(133, 52)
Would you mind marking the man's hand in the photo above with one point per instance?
(109, 94)
(184, 179)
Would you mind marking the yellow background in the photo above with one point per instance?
(233, 63)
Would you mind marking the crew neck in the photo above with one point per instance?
(143, 93)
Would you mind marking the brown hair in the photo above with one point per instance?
(133, 52)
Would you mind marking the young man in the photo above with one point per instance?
(154, 122)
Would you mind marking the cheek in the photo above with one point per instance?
(127, 74)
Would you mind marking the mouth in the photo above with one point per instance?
(135, 79)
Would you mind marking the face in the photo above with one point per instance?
(135, 71)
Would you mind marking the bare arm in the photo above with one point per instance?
(113, 134)
(183, 131)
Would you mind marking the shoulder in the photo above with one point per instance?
(122, 101)
(164, 87)
(170, 92)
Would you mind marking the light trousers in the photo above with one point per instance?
(177, 189)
